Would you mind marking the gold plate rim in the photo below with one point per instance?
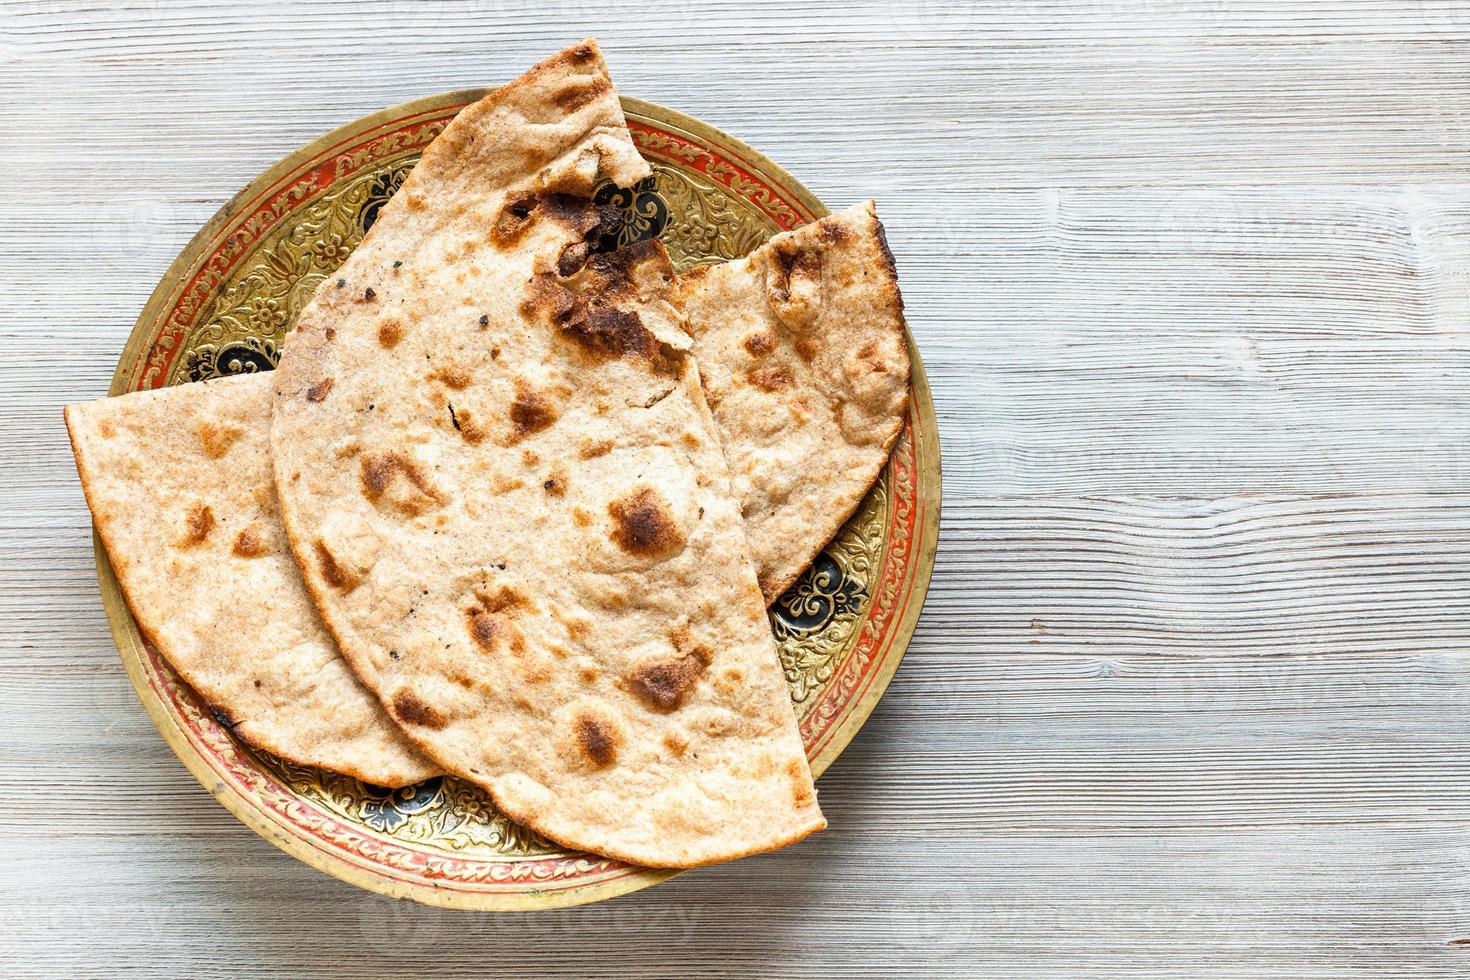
(128, 641)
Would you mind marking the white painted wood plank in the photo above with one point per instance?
(1218, 905)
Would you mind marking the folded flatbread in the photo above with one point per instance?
(505, 492)
(179, 484)
(801, 348)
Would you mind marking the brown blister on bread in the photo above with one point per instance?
(393, 480)
(800, 778)
(468, 425)
(597, 738)
(408, 709)
(593, 448)
(771, 378)
(513, 220)
(491, 620)
(760, 343)
(493, 631)
(730, 680)
(575, 96)
(198, 522)
(530, 412)
(793, 283)
(676, 742)
(217, 437)
(451, 377)
(320, 390)
(664, 684)
(643, 524)
(870, 357)
(834, 232)
(250, 543)
(335, 573)
(390, 332)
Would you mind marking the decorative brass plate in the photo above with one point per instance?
(224, 307)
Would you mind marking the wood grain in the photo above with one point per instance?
(1192, 283)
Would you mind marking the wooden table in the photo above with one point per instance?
(1191, 695)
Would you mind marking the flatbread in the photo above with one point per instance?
(179, 484)
(504, 490)
(801, 345)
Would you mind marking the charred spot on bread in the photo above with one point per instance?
(513, 220)
(520, 211)
(597, 739)
(590, 309)
(490, 630)
(319, 391)
(571, 258)
(643, 524)
(578, 214)
(548, 300)
(408, 709)
(608, 331)
(530, 412)
(787, 259)
(663, 685)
